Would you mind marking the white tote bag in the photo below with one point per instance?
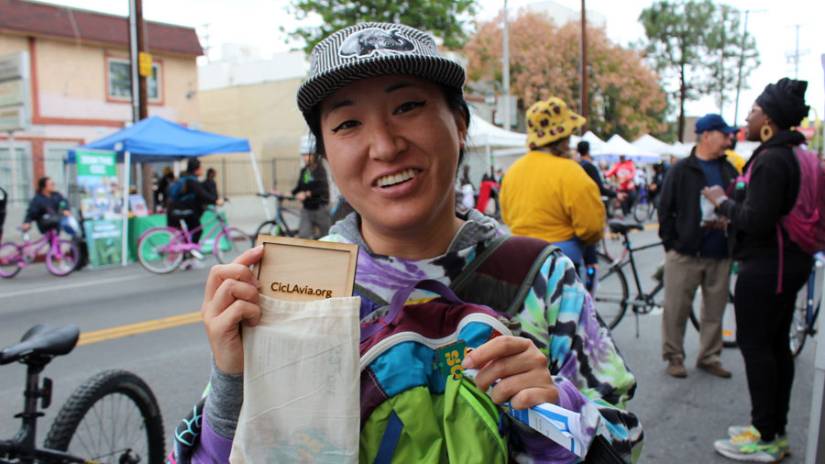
(301, 384)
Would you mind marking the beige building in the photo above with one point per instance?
(255, 101)
(80, 85)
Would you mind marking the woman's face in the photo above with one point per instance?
(755, 120)
(392, 144)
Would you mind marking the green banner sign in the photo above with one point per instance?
(96, 163)
(104, 239)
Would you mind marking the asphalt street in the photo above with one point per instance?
(144, 323)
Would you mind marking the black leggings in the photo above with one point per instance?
(763, 320)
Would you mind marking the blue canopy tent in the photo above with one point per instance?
(157, 139)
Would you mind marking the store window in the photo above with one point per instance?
(16, 173)
(120, 81)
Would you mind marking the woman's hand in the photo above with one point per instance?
(231, 297)
(521, 369)
(715, 194)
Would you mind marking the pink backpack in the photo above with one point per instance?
(805, 223)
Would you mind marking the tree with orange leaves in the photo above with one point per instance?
(625, 95)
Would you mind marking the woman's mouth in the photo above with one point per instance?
(397, 179)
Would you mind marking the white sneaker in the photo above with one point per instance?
(197, 254)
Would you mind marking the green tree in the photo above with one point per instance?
(624, 93)
(699, 45)
(445, 19)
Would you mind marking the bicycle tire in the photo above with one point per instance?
(65, 433)
(9, 260)
(799, 329)
(273, 228)
(169, 260)
(236, 239)
(642, 211)
(611, 292)
(52, 262)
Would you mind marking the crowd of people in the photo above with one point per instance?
(393, 140)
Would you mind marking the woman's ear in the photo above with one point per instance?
(461, 125)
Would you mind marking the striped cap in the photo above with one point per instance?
(374, 49)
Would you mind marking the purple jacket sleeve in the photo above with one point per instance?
(213, 447)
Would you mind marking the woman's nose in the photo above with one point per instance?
(385, 143)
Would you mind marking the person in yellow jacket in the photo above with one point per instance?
(547, 195)
(734, 158)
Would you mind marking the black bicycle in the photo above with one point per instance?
(111, 418)
(277, 225)
(611, 291)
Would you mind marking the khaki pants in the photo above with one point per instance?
(683, 274)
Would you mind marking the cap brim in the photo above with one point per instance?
(436, 69)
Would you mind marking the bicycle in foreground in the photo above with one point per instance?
(60, 255)
(162, 249)
(278, 226)
(112, 418)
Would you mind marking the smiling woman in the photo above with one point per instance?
(388, 114)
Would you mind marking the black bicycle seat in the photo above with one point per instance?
(621, 227)
(42, 340)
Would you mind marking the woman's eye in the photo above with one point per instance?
(345, 125)
(409, 106)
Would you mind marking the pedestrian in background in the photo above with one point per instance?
(209, 183)
(162, 190)
(312, 190)
(697, 249)
(547, 195)
(772, 269)
(625, 173)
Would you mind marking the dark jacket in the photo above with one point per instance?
(755, 209)
(315, 181)
(680, 216)
(594, 174)
(211, 186)
(195, 198)
(46, 210)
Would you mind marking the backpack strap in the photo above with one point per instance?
(503, 273)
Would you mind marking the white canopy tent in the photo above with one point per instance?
(649, 143)
(489, 147)
(617, 146)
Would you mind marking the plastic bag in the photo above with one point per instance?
(301, 384)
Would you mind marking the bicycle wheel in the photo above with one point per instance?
(229, 244)
(799, 329)
(9, 260)
(63, 260)
(642, 211)
(157, 250)
(273, 228)
(111, 418)
(610, 294)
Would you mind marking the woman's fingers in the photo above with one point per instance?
(510, 387)
(229, 291)
(534, 396)
(499, 347)
(225, 336)
(237, 270)
(509, 366)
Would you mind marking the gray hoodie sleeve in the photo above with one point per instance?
(223, 404)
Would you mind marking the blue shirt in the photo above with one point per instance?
(714, 241)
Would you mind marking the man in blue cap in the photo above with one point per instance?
(697, 248)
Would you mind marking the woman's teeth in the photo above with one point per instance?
(394, 179)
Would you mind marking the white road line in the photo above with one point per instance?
(68, 286)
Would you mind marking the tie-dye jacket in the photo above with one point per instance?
(558, 315)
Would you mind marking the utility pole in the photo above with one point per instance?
(584, 86)
(144, 70)
(795, 57)
(741, 65)
(505, 59)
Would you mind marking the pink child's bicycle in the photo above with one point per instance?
(61, 255)
(161, 249)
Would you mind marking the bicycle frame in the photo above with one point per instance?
(49, 241)
(23, 447)
(628, 258)
(218, 224)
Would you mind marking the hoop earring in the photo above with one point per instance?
(765, 133)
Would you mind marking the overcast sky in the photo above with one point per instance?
(772, 24)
